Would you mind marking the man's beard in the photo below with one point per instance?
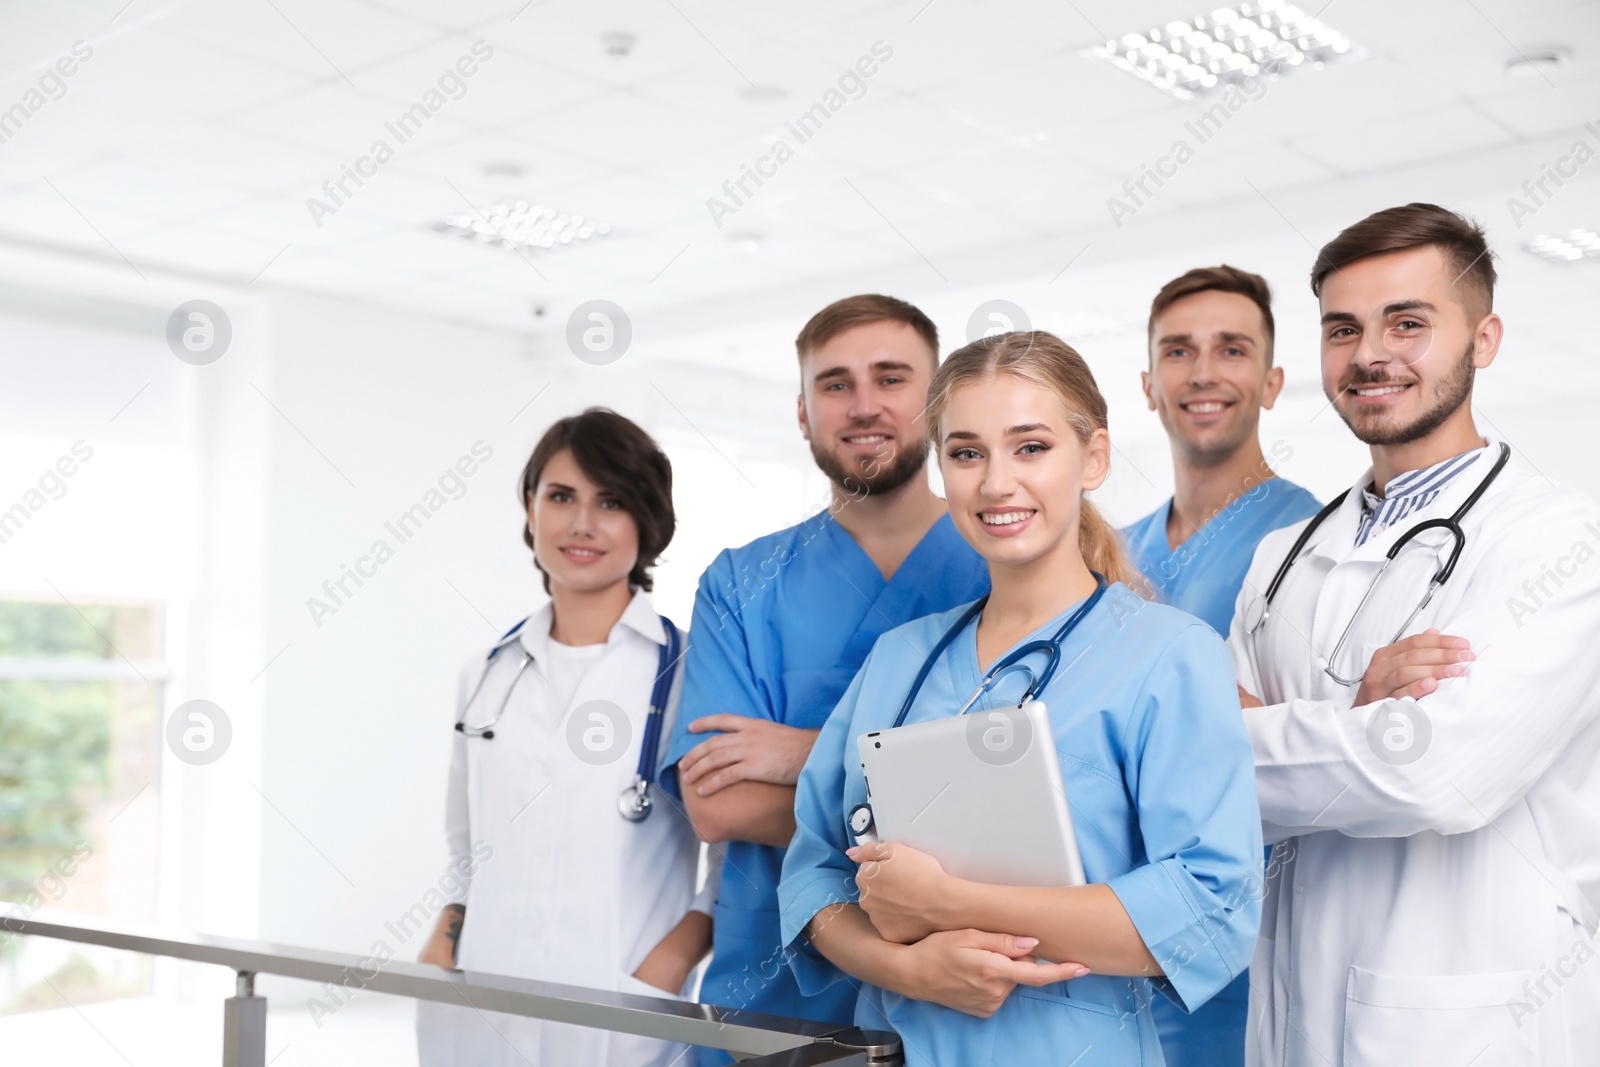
(1453, 392)
(874, 475)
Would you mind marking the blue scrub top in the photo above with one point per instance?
(1202, 576)
(1161, 780)
(780, 627)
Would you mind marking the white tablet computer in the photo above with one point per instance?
(981, 793)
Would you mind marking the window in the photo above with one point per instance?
(80, 728)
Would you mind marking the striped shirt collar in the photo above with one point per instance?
(1408, 493)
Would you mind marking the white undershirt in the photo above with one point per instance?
(564, 669)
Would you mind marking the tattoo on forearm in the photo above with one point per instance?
(452, 927)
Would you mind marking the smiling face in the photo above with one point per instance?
(1210, 373)
(1014, 469)
(1400, 344)
(861, 400)
(583, 538)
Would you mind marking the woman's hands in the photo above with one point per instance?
(973, 971)
(901, 890)
(909, 900)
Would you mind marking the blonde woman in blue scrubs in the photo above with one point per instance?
(1154, 758)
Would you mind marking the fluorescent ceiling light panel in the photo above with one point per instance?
(1568, 247)
(519, 224)
(1207, 53)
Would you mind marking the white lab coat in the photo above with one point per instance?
(571, 893)
(1440, 910)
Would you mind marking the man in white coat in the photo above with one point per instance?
(1431, 776)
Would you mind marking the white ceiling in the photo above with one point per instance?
(192, 139)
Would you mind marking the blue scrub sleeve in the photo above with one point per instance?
(816, 872)
(717, 673)
(1191, 773)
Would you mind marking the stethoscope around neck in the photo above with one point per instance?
(635, 803)
(1051, 647)
(1260, 610)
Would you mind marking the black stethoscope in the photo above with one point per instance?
(1036, 684)
(634, 804)
(1260, 610)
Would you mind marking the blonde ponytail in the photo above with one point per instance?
(1103, 549)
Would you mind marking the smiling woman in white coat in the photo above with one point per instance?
(1428, 752)
(578, 874)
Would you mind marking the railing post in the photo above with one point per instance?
(244, 1026)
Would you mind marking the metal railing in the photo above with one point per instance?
(756, 1039)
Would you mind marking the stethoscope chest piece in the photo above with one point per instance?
(862, 826)
(635, 804)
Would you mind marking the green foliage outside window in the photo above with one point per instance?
(57, 734)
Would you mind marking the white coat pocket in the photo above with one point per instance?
(1459, 1018)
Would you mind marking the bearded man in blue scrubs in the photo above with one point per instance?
(782, 624)
(1210, 377)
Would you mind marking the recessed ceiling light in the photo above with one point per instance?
(1536, 62)
(763, 94)
(1207, 53)
(747, 240)
(519, 224)
(1568, 247)
(618, 43)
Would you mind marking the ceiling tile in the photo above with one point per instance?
(484, 167)
(1538, 110)
(1386, 143)
(136, 189)
(173, 72)
(620, 128)
(1038, 100)
(39, 213)
(194, 249)
(281, 220)
(885, 132)
(667, 37)
(350, 35)
(457, 15)
(84, 126)
(32, 36)
(335, 119)
(920, 46)
(502, 88)
(219, 155)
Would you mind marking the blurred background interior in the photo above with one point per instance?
(717, 172)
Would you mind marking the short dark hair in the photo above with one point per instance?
(1399, 229)
(852, 311)
(623, 460)
(1223, 279)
